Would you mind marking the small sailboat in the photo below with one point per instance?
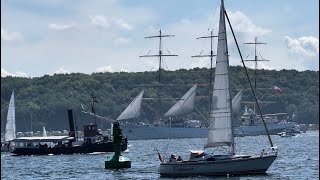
(44, 132)
(10, 132)
(220, 134)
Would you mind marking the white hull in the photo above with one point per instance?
(154, 132)
(237, 166)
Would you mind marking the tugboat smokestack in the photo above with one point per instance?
(71, 123)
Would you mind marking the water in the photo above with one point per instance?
(298, 158)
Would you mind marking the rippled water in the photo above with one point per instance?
(298, 158)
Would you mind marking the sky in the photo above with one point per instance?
(44, 37)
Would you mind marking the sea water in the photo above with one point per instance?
(298, 158)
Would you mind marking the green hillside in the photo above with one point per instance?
(46, 99)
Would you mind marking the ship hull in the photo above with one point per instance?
(87, 148)
(158, 132)
(233, 166)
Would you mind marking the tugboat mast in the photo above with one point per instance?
(160, 55)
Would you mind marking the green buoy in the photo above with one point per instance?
(117, 161)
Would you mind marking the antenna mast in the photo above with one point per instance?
(160, 55)
(211, 55)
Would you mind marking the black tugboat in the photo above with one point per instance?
(93, 141)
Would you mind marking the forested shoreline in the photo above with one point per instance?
(45, 100)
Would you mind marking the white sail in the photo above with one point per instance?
(220, 123)
(10, 133)
(236, 102)
(44, 132)
(133, 110)
(184, 105)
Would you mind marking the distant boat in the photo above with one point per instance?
(286, 134)
(44, 134)
(10, 132)
(220, 134)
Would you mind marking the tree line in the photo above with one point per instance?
(43, 101)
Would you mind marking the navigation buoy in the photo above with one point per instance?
(117, 161)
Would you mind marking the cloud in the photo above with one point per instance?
(121, 40)
(61, 71)
(105, 69)
(307, 46)
(121, 23)
(10, 36)
(99, 21)
(102, 21)
(61, 27)
(244, 25)
(5, 73)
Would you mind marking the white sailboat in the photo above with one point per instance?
(44, 132)
(220, 132)
(10, 132)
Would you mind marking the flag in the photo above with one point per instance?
(277, 89)
(160, 158)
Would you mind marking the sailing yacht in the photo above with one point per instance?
(220, 133)
(10, 132)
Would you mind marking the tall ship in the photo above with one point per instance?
(166, 125)
(250, 123)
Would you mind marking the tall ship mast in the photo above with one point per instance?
(160, 55)
(255, 60)
(211, 55)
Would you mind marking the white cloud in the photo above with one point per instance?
(121, 40)
(61, 27)
(61, 71)
(243, 24)
(104, 69)
(121, 23)
(99, 21)
(10, 36)
(5, 73)
(306, 45)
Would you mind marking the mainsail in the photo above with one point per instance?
(133, 110)
(220, 123)
(11, 121)
(184, 105)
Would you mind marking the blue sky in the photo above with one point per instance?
(41, 37)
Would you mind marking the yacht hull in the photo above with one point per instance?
(233, 166)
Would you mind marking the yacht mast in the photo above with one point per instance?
(255, 43)
(211, 55)
(160, 55)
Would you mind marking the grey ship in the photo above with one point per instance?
(185, 105)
